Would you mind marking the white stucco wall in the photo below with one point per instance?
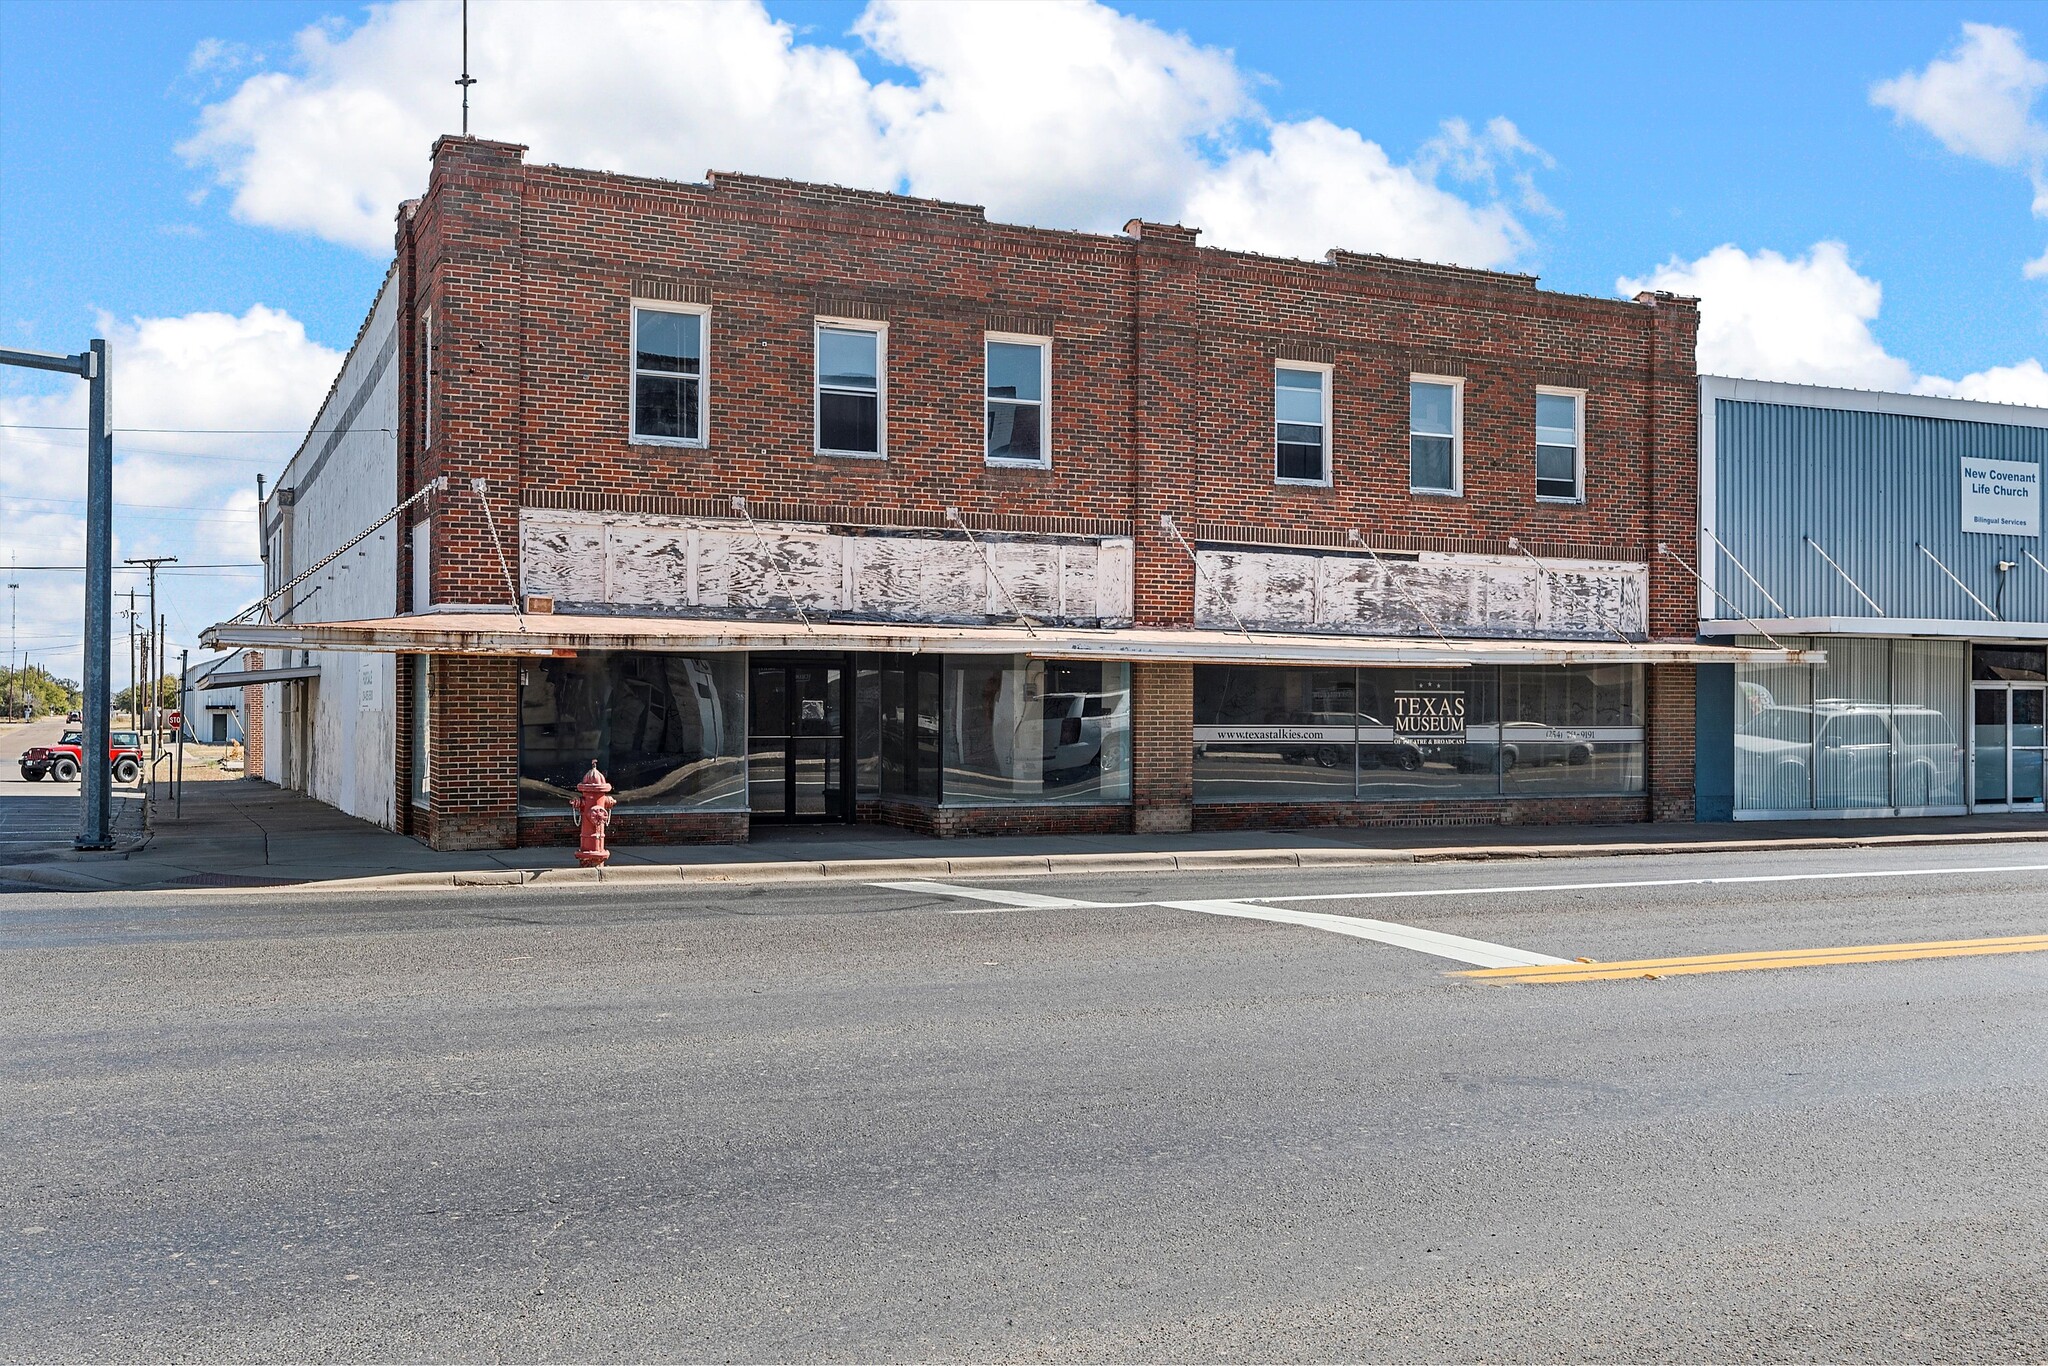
(344, 477)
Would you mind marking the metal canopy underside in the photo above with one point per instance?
(1940, 628)
(503, 633)
(220, 682)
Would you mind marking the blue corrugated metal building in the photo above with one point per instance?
(1901, 534)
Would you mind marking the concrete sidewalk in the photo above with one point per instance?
(247, 834)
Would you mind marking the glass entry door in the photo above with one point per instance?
(798, 741)
(2008, 737)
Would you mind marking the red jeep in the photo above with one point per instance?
(64, 759)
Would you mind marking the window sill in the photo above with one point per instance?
(1436, 493)
(1561, 502)
(1302, 483)
(851, 455)
(679, 442)
(996, 464)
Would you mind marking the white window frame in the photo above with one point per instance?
(426, 379)
(1044, 345)
(820, 324)
(1579, 410)
(1457, 488)
(1329, 373)
(633, 372)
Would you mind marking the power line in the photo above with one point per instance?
(121, 569)
(195, 431)
(161, 507)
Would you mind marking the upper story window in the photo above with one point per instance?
(1301, 423)
(852, 360)
(668, 374)
(1435, 435)
(426, 377)
(1019, 378)
(1560, 445)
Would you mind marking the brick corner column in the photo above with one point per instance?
(1672, 736)
(1162, 748)
(252, 719)
(473, 744)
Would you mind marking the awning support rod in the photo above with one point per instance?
(1514, 543)
(1402, 588)
(739, 505)
(953, 516)
(1166, 521)
(1664, 548)
(2037, 564)
(1956, 581)
(481, 487)
(434, 486)
(1844, 573)
(1754, 581)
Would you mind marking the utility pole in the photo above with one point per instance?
(13, 669)
(96, 829)
(156, 671)
(130, 614)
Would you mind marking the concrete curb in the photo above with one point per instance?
(1006, 865)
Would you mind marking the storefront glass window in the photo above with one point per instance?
(1929, 722)
(1852, 726)
(1879, 726)
(1774, 733)
(1415, 734)
(1571, 730)
(1035, 731)
(909, 701)
(669, 731)
(1275, 734)
(1427, 733)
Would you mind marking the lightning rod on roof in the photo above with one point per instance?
(465, 80)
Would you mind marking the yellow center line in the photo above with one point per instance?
(1761, 958)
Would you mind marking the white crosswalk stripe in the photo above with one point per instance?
(1477, 952)
(1004, 900)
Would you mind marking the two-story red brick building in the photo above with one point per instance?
(788, 502)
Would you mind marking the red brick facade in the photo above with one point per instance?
(1162, 372)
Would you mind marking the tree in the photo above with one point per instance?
(31, 687)
(167, 695)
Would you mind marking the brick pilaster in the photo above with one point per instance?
(473, 746)
(1670, 737)
(1162, 750)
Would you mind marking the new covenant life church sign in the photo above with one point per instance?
(2001, 497)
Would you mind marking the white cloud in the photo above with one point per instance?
(1318, 186)
(1978, 101)
(184, 492)
(1766, 316)
(1068, 114)
(1807, 320)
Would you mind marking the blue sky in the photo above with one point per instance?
(1735, 150)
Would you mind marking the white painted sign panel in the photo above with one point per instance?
(2001, 497)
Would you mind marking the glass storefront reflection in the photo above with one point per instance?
(1394, 734)
(1879, 726)
(668, 730)
(1035, 731)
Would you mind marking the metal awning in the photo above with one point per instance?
(503, 633)
(1942, 628)
(219, 682)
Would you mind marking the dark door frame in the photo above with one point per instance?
(843, 661)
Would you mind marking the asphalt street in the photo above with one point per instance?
(847, 1121)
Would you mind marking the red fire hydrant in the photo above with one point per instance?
(593, 805)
